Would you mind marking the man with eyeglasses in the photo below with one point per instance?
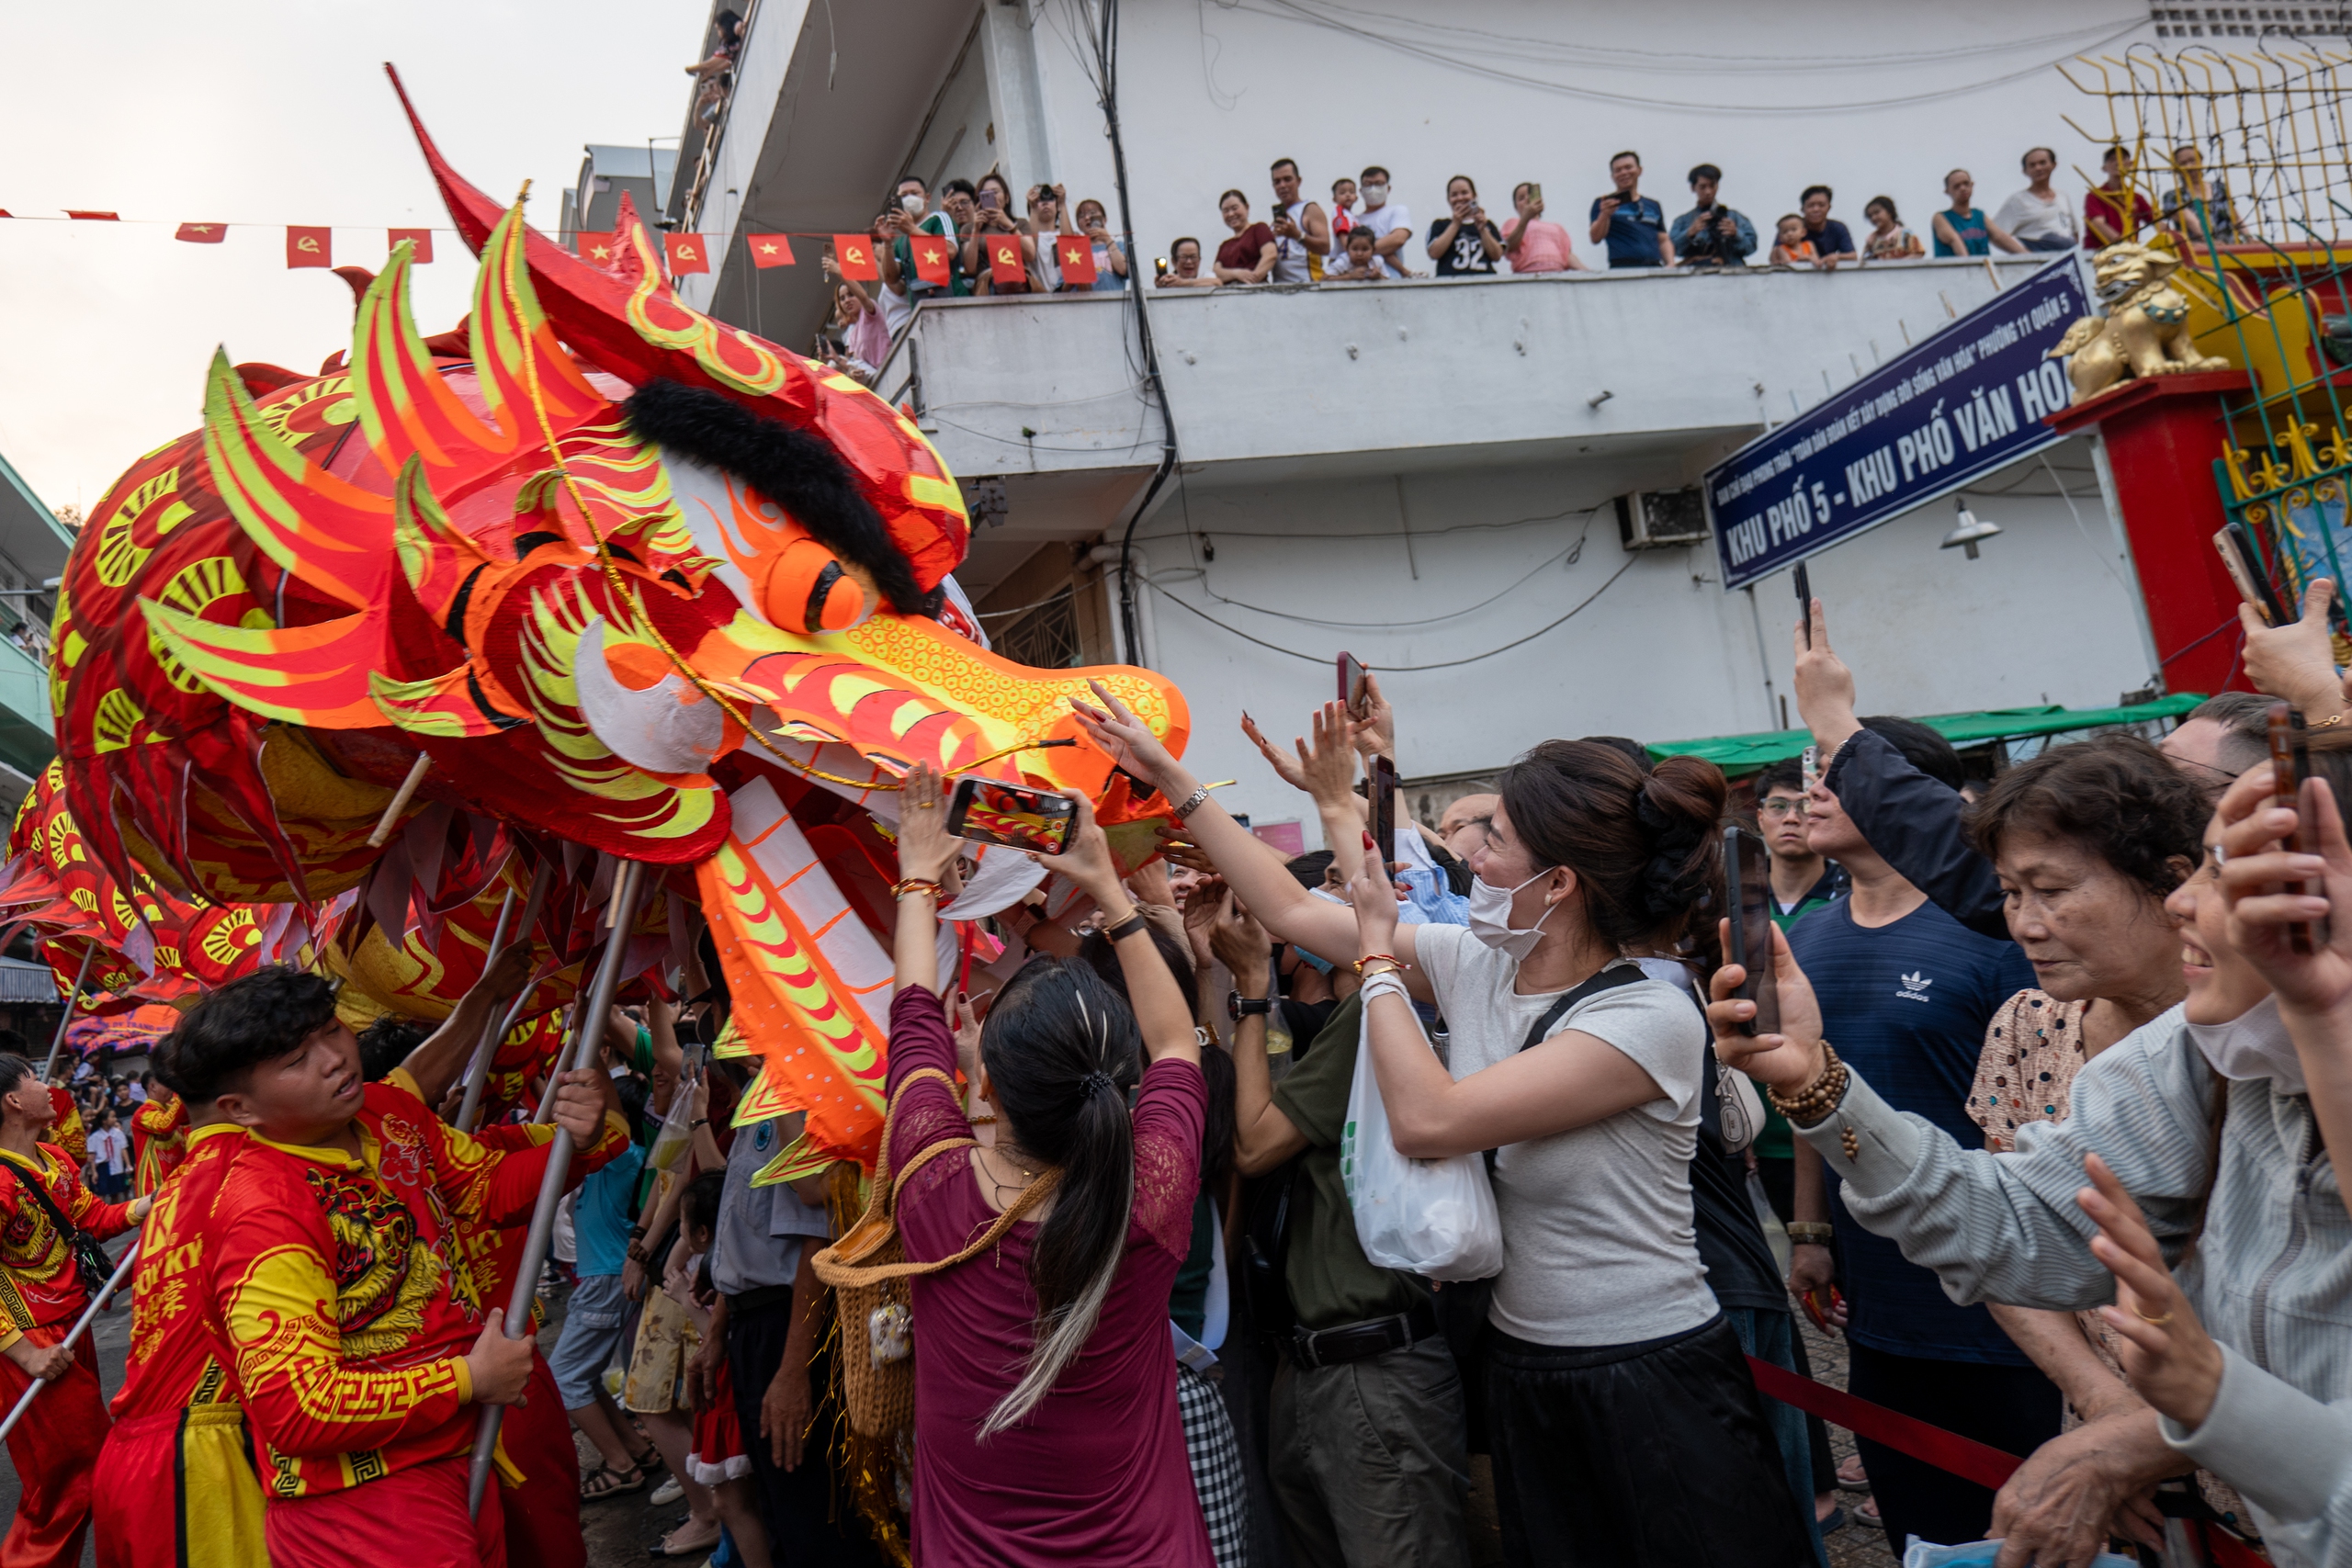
(1802, 881)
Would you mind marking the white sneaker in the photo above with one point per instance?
(666, 1493)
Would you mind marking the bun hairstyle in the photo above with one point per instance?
(1062, 1050)
(1643, 846)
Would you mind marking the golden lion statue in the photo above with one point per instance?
(2145, 330)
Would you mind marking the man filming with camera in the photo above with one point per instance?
(1711, 234)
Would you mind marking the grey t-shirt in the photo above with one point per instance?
(1598, 1245)
(756, 1242)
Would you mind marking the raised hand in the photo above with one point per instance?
(1088, 861)
(1285, 766)
(1374, 729)
(1130, 741)
(2296, 662)
(1824, 686)
(2172, 1362)
(2259, 865)
(1238, 941)
(1374, 897)
(1328, 768)
(925, 851)
(1787, 1061)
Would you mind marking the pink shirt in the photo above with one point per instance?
(1096, 1473)
(1546, 249)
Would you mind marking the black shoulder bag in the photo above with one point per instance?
(89, 1257)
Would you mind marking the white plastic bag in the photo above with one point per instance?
(1427, 1216)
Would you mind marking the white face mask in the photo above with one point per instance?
(913, 203)
(1490, 917)
(1375, 195)
(2254, 1045)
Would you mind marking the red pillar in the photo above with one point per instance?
(2162, 435)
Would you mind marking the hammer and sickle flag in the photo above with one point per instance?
(770, 250)
(855, 255)
(1004, 260)
(687, 253)
(1076, 253)
(309, 246)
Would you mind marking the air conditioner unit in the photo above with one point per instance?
(1655, 519)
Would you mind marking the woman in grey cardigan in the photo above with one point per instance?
(2215, 1119)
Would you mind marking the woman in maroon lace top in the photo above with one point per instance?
(1045, 1422)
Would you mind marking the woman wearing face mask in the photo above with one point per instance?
(2206, 1119)
(2088, 842)
(1586, 1076)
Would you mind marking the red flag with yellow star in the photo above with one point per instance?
(421, 237)
(856, 254)
(686, 254)
(598, 248)
(202, 233)
(770, 250)
(1076, 253)
(932, 257)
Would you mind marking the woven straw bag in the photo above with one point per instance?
(868, 1272)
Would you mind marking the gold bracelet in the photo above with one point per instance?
(900, 889)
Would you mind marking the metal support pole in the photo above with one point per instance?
(71, 999)
(587, 1026)
(81, 1326)
(494, 1027)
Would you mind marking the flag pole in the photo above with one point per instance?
(72, 996)
(587, 1026)
(81, 1326)
(494, 1027)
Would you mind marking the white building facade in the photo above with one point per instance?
(1425, 474)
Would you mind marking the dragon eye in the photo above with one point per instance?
(807, 588)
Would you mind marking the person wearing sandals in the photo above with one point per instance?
(593, 1322)
(1046, 1429)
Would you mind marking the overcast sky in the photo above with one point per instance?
(270, 112)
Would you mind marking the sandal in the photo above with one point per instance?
(605, 1482)
(1851, 1476)
(699, 1546)
(1865, 1513)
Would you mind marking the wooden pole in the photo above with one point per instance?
(400, 797)
(587, 1026)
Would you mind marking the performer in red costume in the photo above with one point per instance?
(360, 1335)
(41, 1292)
(175, 1486)
(159, 1140)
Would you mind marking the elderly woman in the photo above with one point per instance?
(2203, 1126)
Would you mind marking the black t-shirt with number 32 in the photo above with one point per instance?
(1464, 257)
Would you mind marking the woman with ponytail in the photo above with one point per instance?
(1045, 1419)
(1624, 1424)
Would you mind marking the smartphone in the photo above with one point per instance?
(1748, 898)
(2291, 764)
(1351, 691)
(2252, 583)
(1805, 602)
(987, 811)
(1160, 265)
(1534, 194)
(990, 200)
(1811, 763)
(1384, 808)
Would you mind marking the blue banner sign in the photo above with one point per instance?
(1964, 402)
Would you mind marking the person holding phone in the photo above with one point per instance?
(1631, 224)
(1183, 267)
(1047, 1429)
(1301, 232)
(1534, 244)
(1110, 255)
(910, 220)
(1466, 244)
(1585, 1076)
(992, 216)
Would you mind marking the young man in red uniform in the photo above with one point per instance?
(175, 1486)
(360, 1336)
(41, 1292)
(159, 1139)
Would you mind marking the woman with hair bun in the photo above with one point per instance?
(1624, 1424)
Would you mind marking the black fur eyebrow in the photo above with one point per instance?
(796, 470)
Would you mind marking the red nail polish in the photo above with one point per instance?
(1368, 843)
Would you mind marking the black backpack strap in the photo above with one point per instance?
(1609, 979)
(89, 1258)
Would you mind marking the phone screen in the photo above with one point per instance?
(988, 812)
(1748, 884)
(1534, 194)
(1384, 808)
(1351, 684)
(1805, 602)
(2253, 585)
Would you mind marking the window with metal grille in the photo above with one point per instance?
(2250, 21)
(1044, 638)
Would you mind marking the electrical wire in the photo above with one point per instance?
(1395, 668)
(1298, 537)
(1295, 10)
(1572, 554)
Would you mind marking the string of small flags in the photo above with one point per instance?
(933, 255)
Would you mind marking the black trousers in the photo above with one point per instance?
(2015, 1408)
(1654, 1453)
(798, 1505)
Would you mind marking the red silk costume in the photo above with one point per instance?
(67, 1132)
(41, 1295)
(175, 1486)
(347, 1295)
(159, 1140)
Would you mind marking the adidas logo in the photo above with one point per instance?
(1914, 988)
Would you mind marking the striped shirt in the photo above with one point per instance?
(2272, 1278)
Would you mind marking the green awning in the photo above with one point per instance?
(1739, 754)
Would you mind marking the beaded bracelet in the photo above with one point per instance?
(1813, 1103)
(1379, 958)
(915, 885)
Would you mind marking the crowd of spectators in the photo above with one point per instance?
(1299, 240)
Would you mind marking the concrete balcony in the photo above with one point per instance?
(1427, 373)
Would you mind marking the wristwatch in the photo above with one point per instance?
(1239, 1007)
